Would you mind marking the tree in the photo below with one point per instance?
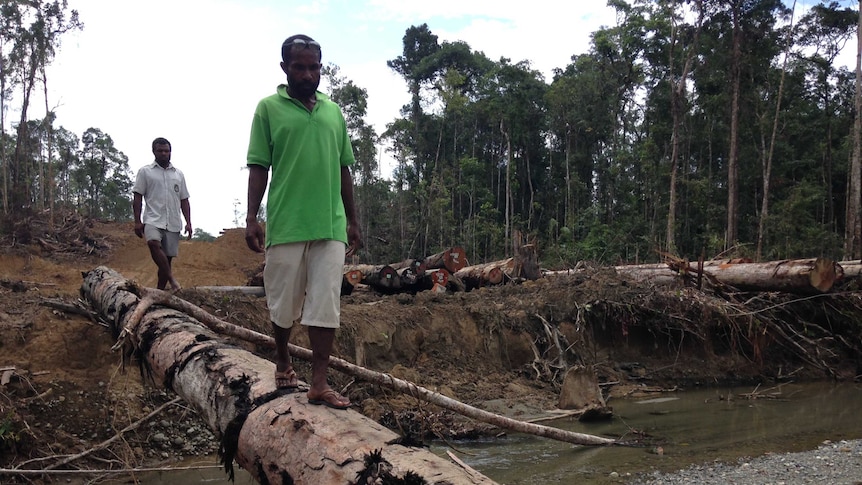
(101, 179)
(31, 31)
(201, 235)
(853, 227)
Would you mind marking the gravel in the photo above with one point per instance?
(833, 463)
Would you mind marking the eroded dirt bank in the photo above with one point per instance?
(503, 349)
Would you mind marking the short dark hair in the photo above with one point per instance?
(161, 141)
(286, 46)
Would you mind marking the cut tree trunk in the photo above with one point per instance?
(451, 260)
(418, 266)
(350, 280)
(276, 437)
(433, 278)
(380, 277)
(480, 275)
(800, 276)
(526, 263)
(407, 277)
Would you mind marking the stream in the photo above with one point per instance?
(682, 428)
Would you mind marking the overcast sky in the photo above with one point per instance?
(192, 71)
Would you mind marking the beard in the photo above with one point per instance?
(302, 89)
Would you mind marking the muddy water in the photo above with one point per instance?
(694, 426)
(689, 427)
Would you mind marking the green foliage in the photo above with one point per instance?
(583, 160)
(201, 235)
(9, 435)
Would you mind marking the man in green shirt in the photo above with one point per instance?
(300, 135)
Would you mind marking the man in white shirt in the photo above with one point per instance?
(163, 187)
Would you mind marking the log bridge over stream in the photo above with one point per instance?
(273, 434)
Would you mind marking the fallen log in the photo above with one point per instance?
(350, 280)
(418, 266)
(432, 279)
(480, 275)
(407, 276)
(276, 436)
(245, 290)
(451, 260)
(380, 277)
(801, 276)
(234, 391)
(164, 298)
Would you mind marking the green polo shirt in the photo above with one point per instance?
(304, 152)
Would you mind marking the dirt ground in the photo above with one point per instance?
(504, 349)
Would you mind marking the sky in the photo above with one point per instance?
(192, 71)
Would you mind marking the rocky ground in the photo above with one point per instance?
(64, 392)
(833, 463)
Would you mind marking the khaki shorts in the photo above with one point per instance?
(170, 240)
(303, 283)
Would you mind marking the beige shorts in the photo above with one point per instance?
(303, 283)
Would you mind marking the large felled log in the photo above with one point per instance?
(380, 277)
(796, 275)
(433, 279)
(451, 260)
(350, 280)
(802, 276)
(277, 437)
(407, 276)
(418, 266)
(480, 275)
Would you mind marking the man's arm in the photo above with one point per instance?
(354, 233)
(257, 180)
(137, 204)
(187, 213)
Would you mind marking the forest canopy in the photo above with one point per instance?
(698, 128)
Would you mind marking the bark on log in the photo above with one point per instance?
(277, 437)
(384, 380)
(480, 275)
(418, 266)
(801, 276)
(852, 269)
(451, 260)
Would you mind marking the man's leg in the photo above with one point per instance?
(163, 263)
(283, 276)
(321, 314)
(284, 374)
(322, 340)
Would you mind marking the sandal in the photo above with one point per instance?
(286, 379)
(331, 399)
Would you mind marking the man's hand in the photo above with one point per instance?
(189, 230)
(254, 236)
(354, 239)
(139, 229)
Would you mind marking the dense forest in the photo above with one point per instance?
(692, 127)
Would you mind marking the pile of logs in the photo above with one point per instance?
(446, 270)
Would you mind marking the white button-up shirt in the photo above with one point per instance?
(162, 190)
